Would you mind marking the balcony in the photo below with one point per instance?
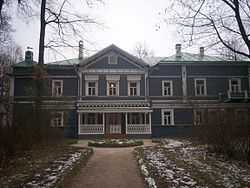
(230, 96)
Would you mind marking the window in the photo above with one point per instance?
(167, 117)
(112, 59)
(57, 119)
(134, 88)
(57, 88)
(138, 118)
(234, 85)
(198, 117)
(92, 118)
(167, 88)
(91, 89)
(200, 87)
(113, 88)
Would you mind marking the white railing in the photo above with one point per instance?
(237, 95)
(115, 129)
(91, 129)
(138, 129)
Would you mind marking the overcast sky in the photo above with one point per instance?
(126, 22)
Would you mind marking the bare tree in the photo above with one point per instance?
(229, 54)
(5, 30)
(63, 24)
(213, 22)
(141, 50)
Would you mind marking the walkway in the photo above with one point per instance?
(110, 168)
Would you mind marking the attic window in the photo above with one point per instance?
(112, 60)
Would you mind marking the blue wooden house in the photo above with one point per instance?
(113, 93)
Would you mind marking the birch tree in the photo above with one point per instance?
(213, 22)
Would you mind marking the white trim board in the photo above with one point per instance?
(113, 71)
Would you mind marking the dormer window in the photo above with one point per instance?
(112, 60)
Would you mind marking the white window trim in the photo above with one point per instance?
(113, 77)
(230, 83)
(138, 86)
(53, 88)
(91, 77)
(116, 60)
(133, 77)
(61, 116)
(205, 86)
(117, 87)
(172, 116)
(87, 87)
(171, 87)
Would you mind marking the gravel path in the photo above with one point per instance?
(110, 168)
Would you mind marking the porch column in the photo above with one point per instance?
(184, 81)
(103, 122)
(149, 119)
(79, 123)
(80, 86)
(126, 121)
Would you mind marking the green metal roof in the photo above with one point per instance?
(188, 57)
(25, 64)
(73, 61)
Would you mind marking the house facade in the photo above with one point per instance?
(113, 93)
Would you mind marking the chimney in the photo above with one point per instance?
(202, 52)
(80, 49)
(29, 55)
(178, 50)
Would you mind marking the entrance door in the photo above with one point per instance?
(113, 123)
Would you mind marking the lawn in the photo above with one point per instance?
(181, 163)
(43, 166)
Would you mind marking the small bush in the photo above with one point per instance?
(115, 143)
(227, 131)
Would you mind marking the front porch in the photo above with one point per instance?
(111, 123)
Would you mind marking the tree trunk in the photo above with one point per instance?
(42, 33)
(1, 7)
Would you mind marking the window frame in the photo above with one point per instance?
(171, 117)
(117, 87)
(163, 87)
(87, 87)
(137, 88)
(238, 84)
(115, 58)
(54, 90)
(196, 86)
(52, 123)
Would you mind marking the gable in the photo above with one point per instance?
(122, 63)
(123, 60)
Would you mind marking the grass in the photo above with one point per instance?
(25, 165)
(207, 171)
(76, 170)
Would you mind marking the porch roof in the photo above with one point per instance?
(114, 106)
